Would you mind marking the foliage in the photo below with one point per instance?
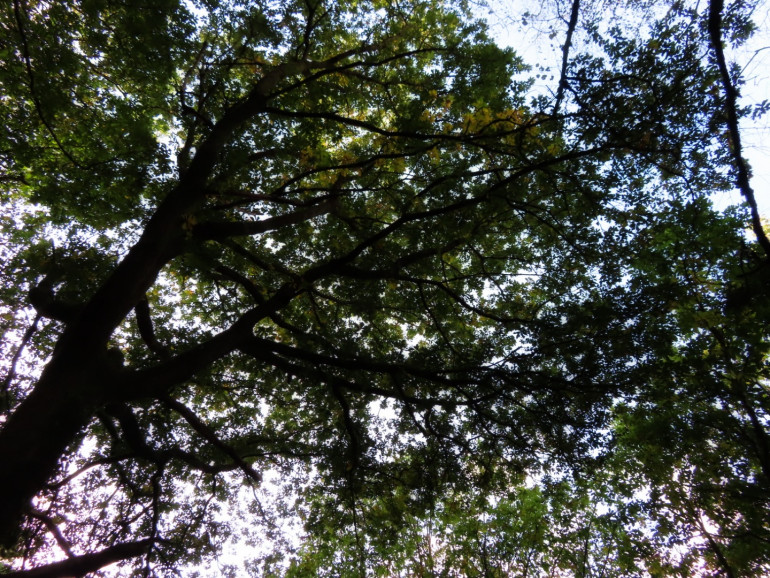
(326, 282)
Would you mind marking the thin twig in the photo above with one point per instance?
(16, 356)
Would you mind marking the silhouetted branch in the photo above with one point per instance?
(16, 356)
(146, 329)
(731, 108)
(137, 442)
(17, 9)
(209, 435)
(43, 299)
(223, 230)
(565, 55)
(82, 565)
(54, 530)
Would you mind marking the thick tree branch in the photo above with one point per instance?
(132, 433)
(210, 435)
(4, 390)
(45, 302)
(318, 376)
(86, 563)
(146, 329)
(72, 386)
(218, 231)
(155, 382)
(164, 235)
(731, 108)
(573, 20)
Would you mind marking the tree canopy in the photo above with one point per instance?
(327, 283)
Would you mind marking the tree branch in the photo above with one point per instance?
(731, 108)
(218, 231)
(82, 565)
(277, 354)
(43, 299)
(565, 55)
(54, 530)
(134, 437)
(354, 449)
(209, 435)
(146, 329)
(154, 382)
(31, 77)
(4, 390)
(367, 126)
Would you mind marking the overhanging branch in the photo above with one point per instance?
(156, 381)
(223, 230)
(731, 108)
(147, 330)
(210, 435)
(82, 565)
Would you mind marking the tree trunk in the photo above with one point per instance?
(37, 434)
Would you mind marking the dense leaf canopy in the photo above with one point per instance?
(325, 288)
